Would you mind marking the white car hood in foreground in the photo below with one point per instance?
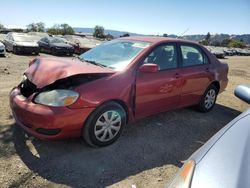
(225, 160)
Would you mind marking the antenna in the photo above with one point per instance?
(183, 33)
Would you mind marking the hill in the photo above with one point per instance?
(219, 37)
(115, 33)
(197, 38)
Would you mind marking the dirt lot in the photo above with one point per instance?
(148, 153)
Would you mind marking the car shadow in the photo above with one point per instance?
(167, 138)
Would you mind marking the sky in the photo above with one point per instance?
(138, 16)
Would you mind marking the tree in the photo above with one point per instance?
(99, 32)
(215, 43)
(36, 27)
(233, 43)
(208, 37)
(236, 44)
(55, 30)
(32, 27)
(1, 26)
(66, 29)
(63, 29)
(204, 42)
(225, 42)
(40, 27)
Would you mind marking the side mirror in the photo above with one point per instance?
(243, 93)
(149, 68)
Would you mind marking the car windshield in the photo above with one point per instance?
(56, 40)
(116, 54)
(23, 38)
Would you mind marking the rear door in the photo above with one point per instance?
(159, 91)
(195, 72)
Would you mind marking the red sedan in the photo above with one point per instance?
(117, 82)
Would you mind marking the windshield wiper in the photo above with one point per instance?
(93, 62)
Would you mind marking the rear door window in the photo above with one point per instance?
(192, 56)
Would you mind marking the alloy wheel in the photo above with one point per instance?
(210, 98)
(107, 125)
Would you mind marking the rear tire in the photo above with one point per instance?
(208, 99)
(104, 126)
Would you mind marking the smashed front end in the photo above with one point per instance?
(45, 111)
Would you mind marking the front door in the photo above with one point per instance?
(159, 91)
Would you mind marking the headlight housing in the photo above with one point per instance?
(57, 97)
(184, 177)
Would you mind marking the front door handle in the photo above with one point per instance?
(177, 75)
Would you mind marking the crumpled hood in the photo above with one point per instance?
(45, 71)
(28, 44)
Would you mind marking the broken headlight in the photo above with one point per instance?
(57, 97)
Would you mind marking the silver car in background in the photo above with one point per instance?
(224, 161)
(20, 43)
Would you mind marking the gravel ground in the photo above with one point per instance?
(148, 154)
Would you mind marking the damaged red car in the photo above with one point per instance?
(117, 82)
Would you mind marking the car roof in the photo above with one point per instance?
(156, 39)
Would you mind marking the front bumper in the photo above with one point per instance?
(27, 49)
(64, 51)
(2, 51)
(47, 123)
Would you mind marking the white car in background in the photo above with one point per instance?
(2, 49)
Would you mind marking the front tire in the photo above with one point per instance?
(208, 99)
(15, 50)
(104, 126)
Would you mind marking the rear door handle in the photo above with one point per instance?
(207, 69)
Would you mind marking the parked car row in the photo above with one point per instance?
(35, 42)
(221, 52)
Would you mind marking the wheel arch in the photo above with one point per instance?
(216, 84)
(118, 101)
(124, 106)
(84, 130)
